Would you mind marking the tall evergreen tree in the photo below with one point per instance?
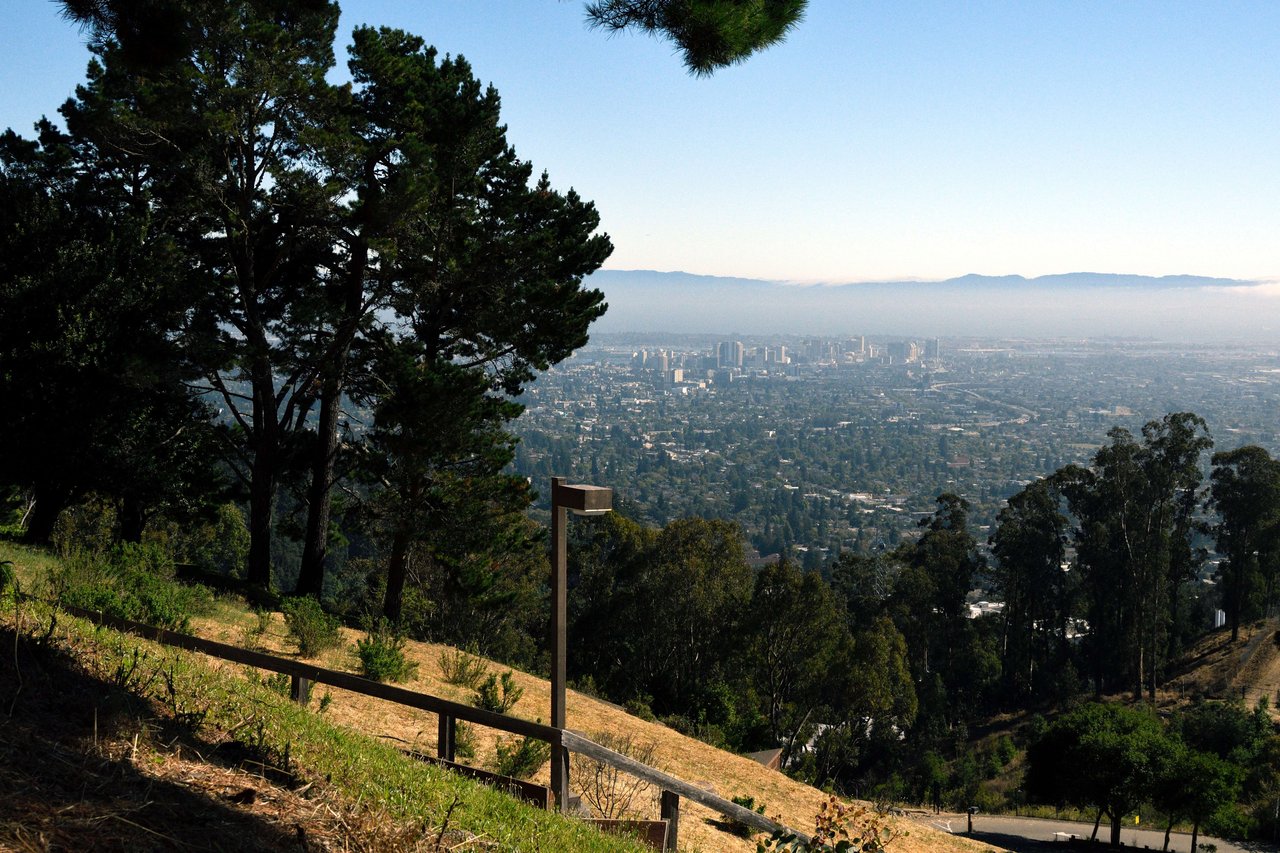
(1029, 544)
(1246, 495)
(322, 223)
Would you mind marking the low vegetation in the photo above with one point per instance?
(498, 694)
(381, 655)
(155, 703)
(310, 626)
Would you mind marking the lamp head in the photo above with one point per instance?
(583, 500)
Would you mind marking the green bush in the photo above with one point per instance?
(132, 582)
(1005, 750)
(464, 741)
(741, 828)
(309, 626)
(381, 653)
(461, 668)
(640, 708)
(498, 696)
(522, 759)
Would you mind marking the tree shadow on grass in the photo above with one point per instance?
(73, 776)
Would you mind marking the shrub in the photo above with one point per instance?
(609, 791)
(461, 668)
(464, 741)
(1005, 750)
(640, 708)
(523, 758)
(312, 628)
(381, 654)
(132, 582)
(8, 579)
(741, 828)
(498, 696)
(838, 828)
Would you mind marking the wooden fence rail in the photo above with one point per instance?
(303, 675)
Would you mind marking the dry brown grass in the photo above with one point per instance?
(1216, 668)
(728, 775)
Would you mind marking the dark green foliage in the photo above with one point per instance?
(310, 626)
(664, 608)
(1029, 544)
(711, 34)
(747, 802)
(1107, 757)
(130, 582)
(1246, 495)
(93, 378)
(523, 758)
(381, 654)
(498, 694)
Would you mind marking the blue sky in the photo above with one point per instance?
(893, 139)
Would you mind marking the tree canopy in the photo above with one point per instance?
(710, 34)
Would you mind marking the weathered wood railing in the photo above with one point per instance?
(304, 675)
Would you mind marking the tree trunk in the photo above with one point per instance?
(1195, 835)
(132, 518)
(1168, 829)
(397, 570)
(262, 494)
(1096, 822)
(1115, 828)
(315, 544)
(47, 505)
(265, 447)
(315, 548)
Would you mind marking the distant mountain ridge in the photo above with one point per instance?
(1057, 280)
(1081, 303)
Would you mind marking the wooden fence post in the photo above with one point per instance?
(447, 737)
(300, 689)
(560, 773)
(671, 814)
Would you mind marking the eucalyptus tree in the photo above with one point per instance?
(1029, 544)
(1246, 495)
(1135, 511)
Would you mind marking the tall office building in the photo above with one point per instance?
(731, 353)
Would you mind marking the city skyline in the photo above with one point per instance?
(880, 141)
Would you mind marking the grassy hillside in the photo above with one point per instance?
(312, 764)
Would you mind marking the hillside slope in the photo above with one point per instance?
(134, 757)
(1247, 669)
(728, 775)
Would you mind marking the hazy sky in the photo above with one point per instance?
(893, 139)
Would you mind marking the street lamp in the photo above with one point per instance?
(581, 500)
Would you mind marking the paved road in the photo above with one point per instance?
(1035, 835)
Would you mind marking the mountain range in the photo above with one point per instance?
(1085, 304)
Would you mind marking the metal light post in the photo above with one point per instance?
(581, 500)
